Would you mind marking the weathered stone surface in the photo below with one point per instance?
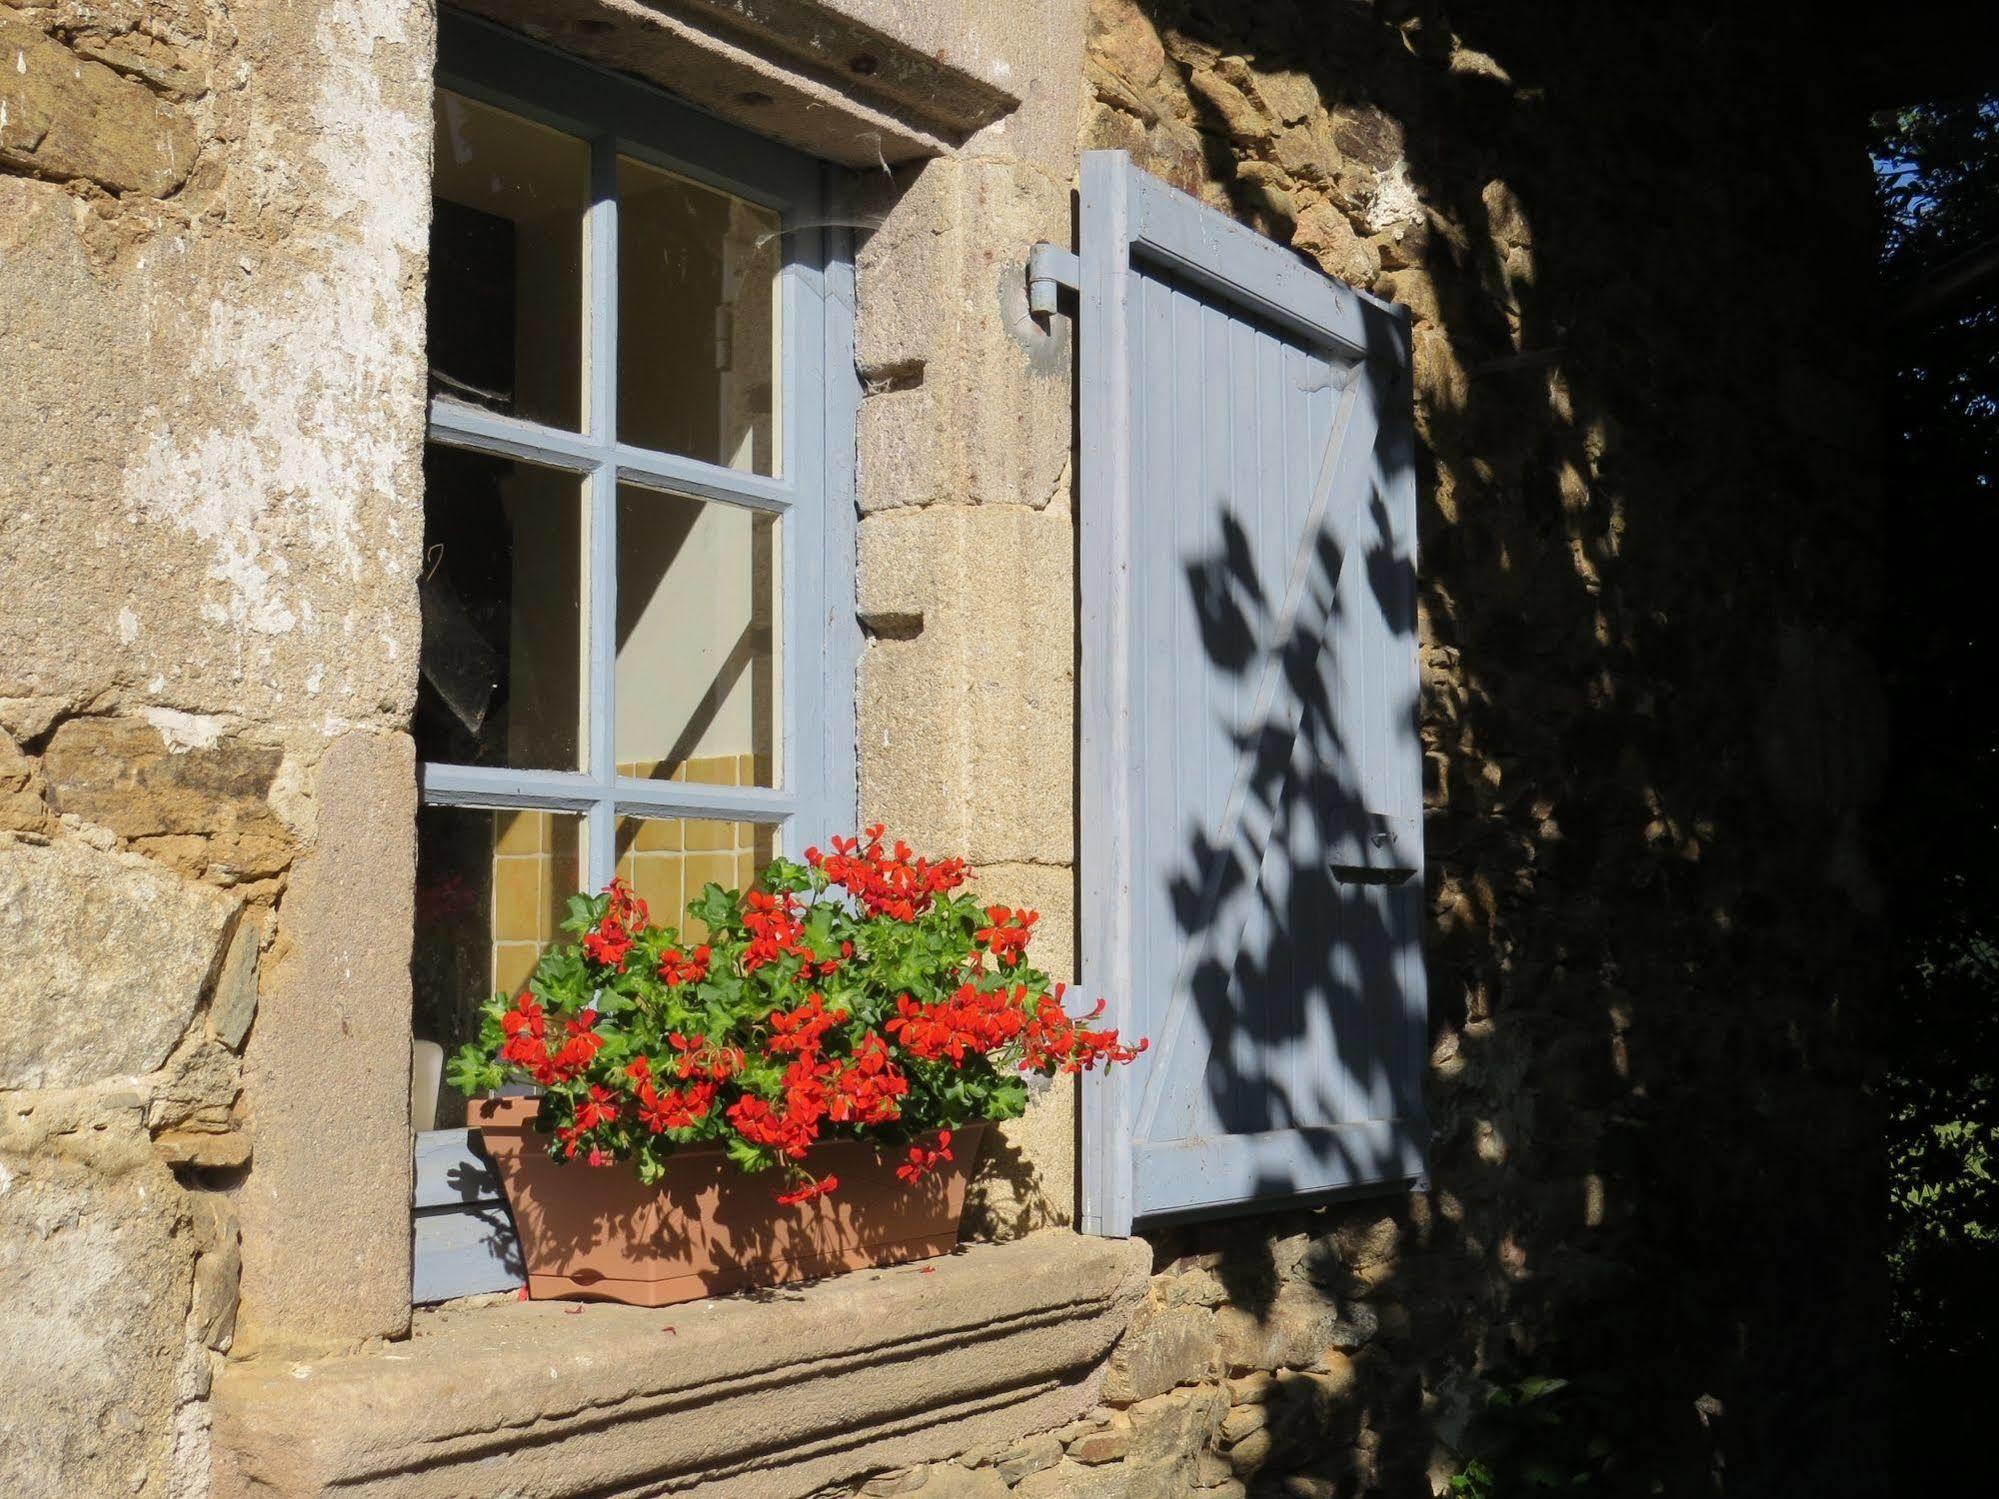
(1293, 1332)
(1176, 1425)
(1324, 233)
(96, 1264)
(970, 399)
(1109, 1443)
(124, 774)
(22, 809)
(1164, 1348)
(108, 957)
(1122, 38)
(983, 1346)
(64, 116)
(949, 1481)
(234, 1003)
(1028, 1457)
(325, 1211)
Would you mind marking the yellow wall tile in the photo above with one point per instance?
(513, 964)
(659, 835)
(707, 836)
(518, 910)
(520, 832)
(656, 879)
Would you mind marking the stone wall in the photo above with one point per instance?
(211, 251)
(1635, 242)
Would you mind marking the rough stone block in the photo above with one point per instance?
(1163, 1349)
(796, 1395)
(234, 1003)
(1030, 1456)
(109, 956)
(96, 1269)
(1295, 1331)
(22, 809)
(1173, 1427)
(124, 774)
(1109, 1443)
(949, 1481)
(64, 116)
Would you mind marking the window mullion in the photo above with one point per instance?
(600, 666)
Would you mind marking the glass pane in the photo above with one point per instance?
(666, 861)
(697, 678)
(492, 889)
(506, 264)
(697, 321)
(503, 591)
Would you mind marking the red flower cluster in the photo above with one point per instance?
(1006, 934)
(526, 1046)
(894, 884)
(1056, 1041)
(797, 1031)
(596, 1109)
(922, 1162)
(678, 968)
(969, 1023)
(611, 939)
(775, 930)
(676, 1108)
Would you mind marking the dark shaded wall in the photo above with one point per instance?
(1638, 243)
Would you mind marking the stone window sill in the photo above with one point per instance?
(779, 1393)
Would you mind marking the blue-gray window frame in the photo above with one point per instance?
(813, 491)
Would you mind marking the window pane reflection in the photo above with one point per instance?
(502, 591)
(505, 293)
(698, 651)
(697, 321)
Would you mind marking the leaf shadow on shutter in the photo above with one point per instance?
(1329, 919)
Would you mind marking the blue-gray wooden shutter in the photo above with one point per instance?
(1252, 846)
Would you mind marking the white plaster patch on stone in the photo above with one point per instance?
(185, 731)
(128, 625)
(1394, 201)
(299, 455)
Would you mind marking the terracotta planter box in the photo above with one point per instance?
(706, 1228)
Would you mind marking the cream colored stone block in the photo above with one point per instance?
(325, 1208)
(966, 729)
(972, 400)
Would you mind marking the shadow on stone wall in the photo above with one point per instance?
(1636, 244)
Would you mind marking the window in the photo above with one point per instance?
(638, 550)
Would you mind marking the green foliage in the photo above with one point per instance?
(1938, 180)
(1528, 1442)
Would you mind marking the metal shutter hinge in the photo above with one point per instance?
(1050, 268)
